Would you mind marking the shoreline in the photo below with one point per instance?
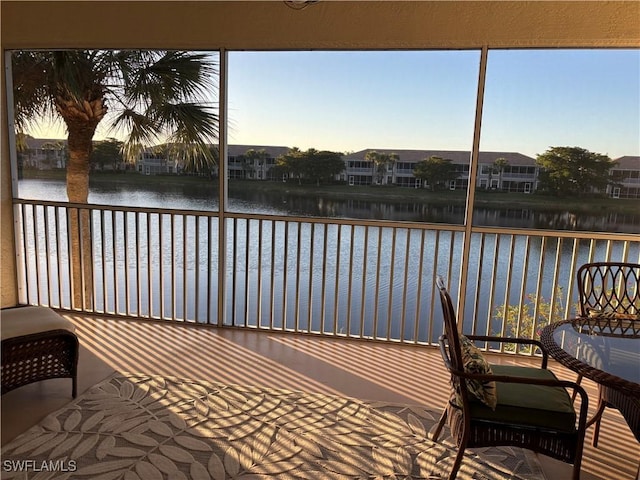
(390, 193)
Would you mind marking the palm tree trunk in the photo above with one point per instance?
(80, 137)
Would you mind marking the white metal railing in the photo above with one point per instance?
(342, 278)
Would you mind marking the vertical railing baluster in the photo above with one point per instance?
(47, 250)
(507, 288)
(26, 258)
(416, 326)
(350, 265)
(365, 263)
(159, 271)
(174, 269)
(298, 279)
(234, 269)
(72, 285)
(323, 285)
(211, 269)
(273, 274)
(312, 238)
(523, 286)
(36, 252)
(259, 295)
(115, 262)
(538, 294)
(376, 297)
(403, 315)
(592, 250)
(285, 276)
(185, 219)
(392, 272)
(127, 285)
(573, 268)
(336, 291)
(450, 261)
(150, 295)
(56, 213)
(91, 212)
(476, 303)
(247, 257)
(556, 274)
(103, 257)
(434, 273)
(196, 267)
(494, 270)
(138, 262)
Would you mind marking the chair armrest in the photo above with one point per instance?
(520, 341)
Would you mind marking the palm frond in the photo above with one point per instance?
(32, 94)
(188, 122)
(140, 131)
(174, 76)
(77, 75)
(194, 128)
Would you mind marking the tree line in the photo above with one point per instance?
(563, 170)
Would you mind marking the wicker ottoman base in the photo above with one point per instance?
(37, 355)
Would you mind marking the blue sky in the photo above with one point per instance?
(348, 101)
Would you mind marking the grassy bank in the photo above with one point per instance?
(390, 194)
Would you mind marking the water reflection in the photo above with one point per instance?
(203, 196)
(354, 279)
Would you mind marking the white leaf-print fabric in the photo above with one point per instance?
(145, 427)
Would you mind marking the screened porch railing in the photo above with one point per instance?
(340, 278)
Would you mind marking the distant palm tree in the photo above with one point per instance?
(150, 96)
(380, 163)
(499, 164)
(55, 153)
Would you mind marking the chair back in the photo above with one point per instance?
(450, 326)
(609, 286)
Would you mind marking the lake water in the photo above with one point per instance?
(202, 197)
(347, 279)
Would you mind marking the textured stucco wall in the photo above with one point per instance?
(272, 25)
(326, 24)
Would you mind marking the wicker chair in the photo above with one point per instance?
(37, 344)
(534, 410)
(608, 287)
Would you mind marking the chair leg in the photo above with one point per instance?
(597, 418)
(443, 418)
(456, 464)
(575, 474)
(596, 432)
(575, 392)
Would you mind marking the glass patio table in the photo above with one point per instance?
(607, 351)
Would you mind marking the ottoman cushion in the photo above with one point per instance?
(20, 321)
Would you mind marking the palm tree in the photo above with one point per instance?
(499, 164)
(149, 96)
(380, 163)
(54, 153)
